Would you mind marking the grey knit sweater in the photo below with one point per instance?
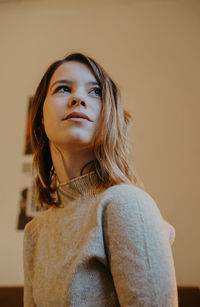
(101, 248)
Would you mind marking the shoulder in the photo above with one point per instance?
(128, 196)
(125, 190)
(32, 228)
(32, 232)
(125, 202)
(130, 204)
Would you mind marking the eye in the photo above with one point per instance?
(96, 91)
(62, 89)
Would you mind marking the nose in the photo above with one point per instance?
(74, 101)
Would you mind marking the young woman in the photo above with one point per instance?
(102, 241)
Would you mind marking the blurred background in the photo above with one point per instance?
(152, 51)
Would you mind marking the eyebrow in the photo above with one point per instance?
(70, 82)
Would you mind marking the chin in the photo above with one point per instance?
(79, 138)
(74, 142)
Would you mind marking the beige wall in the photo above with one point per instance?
(152, 50)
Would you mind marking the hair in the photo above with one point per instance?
(112, 161)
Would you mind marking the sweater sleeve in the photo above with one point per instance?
(28, 244)
(138, 243)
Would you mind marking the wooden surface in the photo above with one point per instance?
(13, 297)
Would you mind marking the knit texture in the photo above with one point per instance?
(102, 248)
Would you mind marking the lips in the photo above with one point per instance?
(77, 115)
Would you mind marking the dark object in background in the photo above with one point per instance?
(189, 296)
(23, 219)
(13, 296)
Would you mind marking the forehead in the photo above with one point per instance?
(73, 71)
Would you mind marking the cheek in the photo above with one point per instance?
(97, 111)
(49, 114)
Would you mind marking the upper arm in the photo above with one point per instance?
(28, 251)
(139, 250)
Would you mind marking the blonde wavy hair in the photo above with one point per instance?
(112, 163)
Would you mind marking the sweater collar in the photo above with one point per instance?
(87, 184)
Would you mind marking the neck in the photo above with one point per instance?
(69, 163)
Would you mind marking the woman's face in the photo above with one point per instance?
(72, 88)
